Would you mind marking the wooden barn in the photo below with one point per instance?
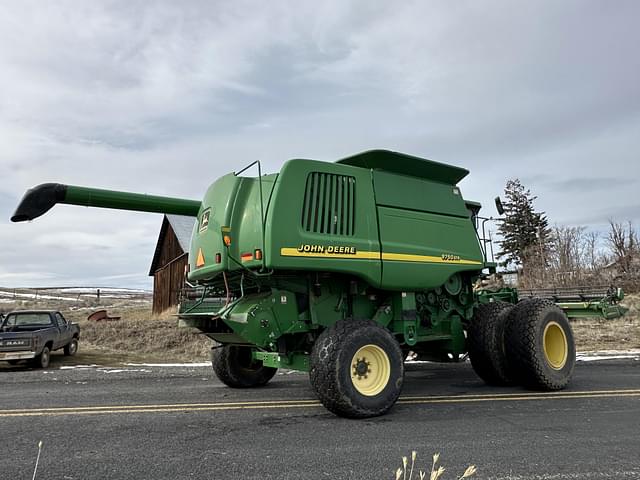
(170, 260)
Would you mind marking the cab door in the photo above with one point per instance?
(64, 328)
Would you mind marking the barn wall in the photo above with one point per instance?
(168, 279)
(167, 283)
(170, 250)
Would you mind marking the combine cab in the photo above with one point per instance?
(340, 269)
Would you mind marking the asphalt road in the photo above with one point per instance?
(144, 422)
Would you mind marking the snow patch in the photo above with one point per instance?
(123, 370)
(202, 364)
(77, 367)
(608, 355)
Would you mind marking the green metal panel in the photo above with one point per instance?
(295, 361)
(406, 165)
(422, 250)
(419, 194)
(262, 318)
(346, 243)
(232, 208)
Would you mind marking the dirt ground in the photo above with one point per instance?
(140, 337)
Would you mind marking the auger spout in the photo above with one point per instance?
(40, 199)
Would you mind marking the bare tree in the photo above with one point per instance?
(623, 243)
(568, 254)
(593, 257)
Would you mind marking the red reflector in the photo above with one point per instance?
(218, 258)
(245, 257)
(258, 254)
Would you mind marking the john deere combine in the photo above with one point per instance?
(340, 269)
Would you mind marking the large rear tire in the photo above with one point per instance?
(539, 344)
(236, 368)
(485, 342)
(357, 369)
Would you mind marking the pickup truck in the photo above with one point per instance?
(33, 334)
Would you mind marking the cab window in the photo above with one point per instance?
(62, 322)
(18, 319)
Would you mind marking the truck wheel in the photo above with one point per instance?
(71, 348)
(485, 341)
(236, 368)
(357, 369)
(540, 345)
(42, 360)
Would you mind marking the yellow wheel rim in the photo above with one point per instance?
(556, 347)
(370, 370)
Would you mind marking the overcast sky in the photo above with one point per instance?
(163, 97)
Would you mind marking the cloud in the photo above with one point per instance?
(163, 98)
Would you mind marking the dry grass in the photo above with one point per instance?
(138, 336)
(619, 334)
(156, 337)
(408, 468)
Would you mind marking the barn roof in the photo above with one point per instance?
(182, 227)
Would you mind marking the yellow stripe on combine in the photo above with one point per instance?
(399, 257)
(293, 252)
(408, 257)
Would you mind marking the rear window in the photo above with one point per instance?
(17, 319)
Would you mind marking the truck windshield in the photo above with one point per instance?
(18, 319)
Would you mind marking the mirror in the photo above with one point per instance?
(499, 206)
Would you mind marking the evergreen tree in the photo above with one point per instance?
(525, 233)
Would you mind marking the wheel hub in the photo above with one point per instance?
(370, 370)
(556, 347)
(361, 368)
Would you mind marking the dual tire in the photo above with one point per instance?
(539, 345)
(530, 344)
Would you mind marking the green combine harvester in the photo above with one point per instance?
(341, 269)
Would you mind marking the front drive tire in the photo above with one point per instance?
(71, 348)
(42, 360)
(357, 369)
(235, 367)
(539, 344)
(485, 342)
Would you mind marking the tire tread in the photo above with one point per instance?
(527, 364)
(325, 362)
(486, 343)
